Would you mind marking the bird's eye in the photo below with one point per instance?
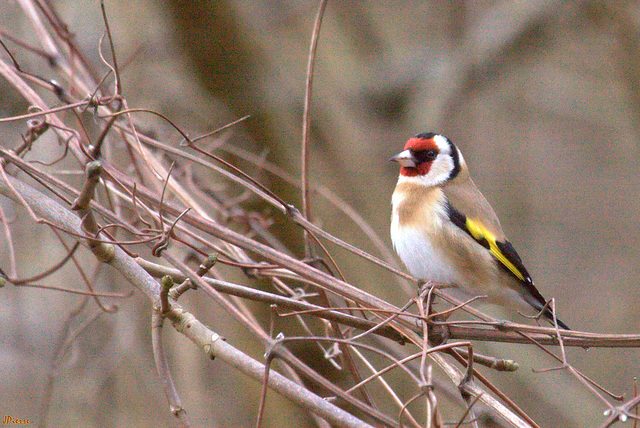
(426, 155)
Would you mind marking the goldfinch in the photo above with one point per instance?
(445, 231)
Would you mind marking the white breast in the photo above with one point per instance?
(419, 255)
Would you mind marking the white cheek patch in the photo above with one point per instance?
(440, 170)
(438, 173)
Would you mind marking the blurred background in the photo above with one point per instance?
(543, 99)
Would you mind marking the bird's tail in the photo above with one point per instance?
(549, 315)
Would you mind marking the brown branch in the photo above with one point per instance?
(183, 321)
(162, 366)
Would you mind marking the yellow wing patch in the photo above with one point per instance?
(488, 240)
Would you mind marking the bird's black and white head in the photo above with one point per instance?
(429, 159)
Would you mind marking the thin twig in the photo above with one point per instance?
(306, 122)
(164, 372)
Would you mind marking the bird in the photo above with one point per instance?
(445, 231)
